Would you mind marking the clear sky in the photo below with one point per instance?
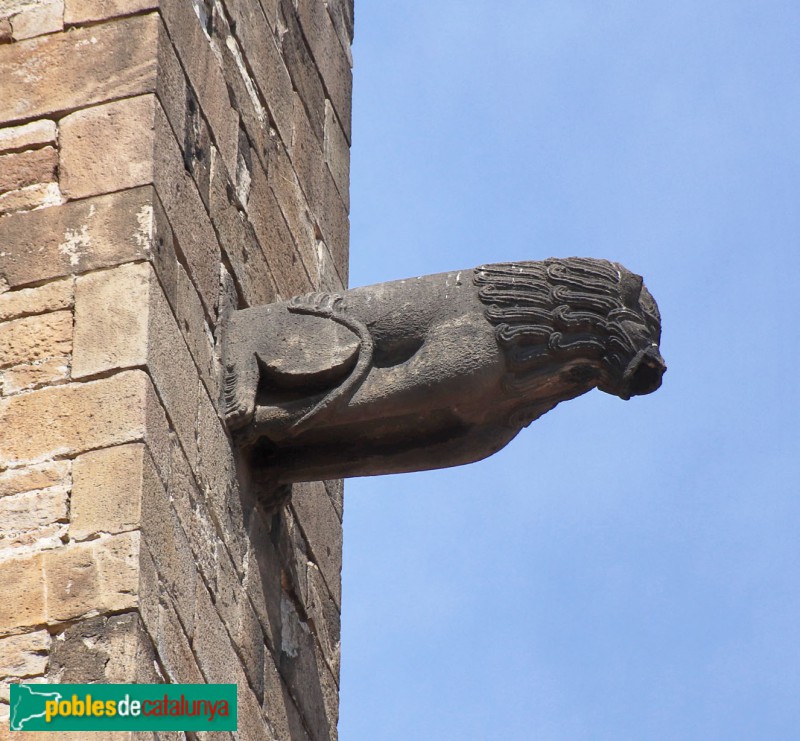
(623, 570)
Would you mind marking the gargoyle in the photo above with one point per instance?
(434, 371)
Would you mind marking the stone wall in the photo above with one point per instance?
(162, 163)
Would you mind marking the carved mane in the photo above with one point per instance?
(557, 309)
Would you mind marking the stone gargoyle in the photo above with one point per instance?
(434, 371)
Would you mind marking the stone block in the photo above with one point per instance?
(93, 233)
(295, 209)
(212, 647)
(24, 655)
(251, 722)
(39, 373)
(196, 332)
(40, 195)
(104, 649)
(70, 419)
(323, 532)
(31, 18)
(107, 491)
(33, 134)
(263, 576)
(205, 76)
(341, 12)
(39, 476)
(325, 616)
(171, 86)
(82, 11)
(52, 296)
(187, 215)
(168, 545)
(279, 707)
(79, 68)
(174, 650)
(110, 333)
(30, 510)
(302, 70)
(35, 338)
(337, 154)
(253, 275)
(21, 169)
(263, 56)
(107, 147)
(331, 60)
(23, 602)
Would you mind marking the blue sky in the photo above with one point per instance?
(622, 570)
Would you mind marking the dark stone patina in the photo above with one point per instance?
(434, 371)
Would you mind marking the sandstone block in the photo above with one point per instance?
(31, 18)
(74, 418)
(39, 476)
(81, 11)
(24, 655)
(35, 338)
(32, 509)
(212, 647)
(34, 375)
(95, 576)
(107, 147)
(23, 600)
(93, 233)
(323, 532)
(259, 46)
(332, 61)
(107, 491)
(167, 544)
(279, 708)
(171, 85)
(205, 75)
(59, 72)
(187, 214)
(40, 195)
(337, 154)
(50, 297)
(109, 332)
(196, 332)
(26, 136)
(174, 649)
(251, 722)
(247, 260)
(21, 169)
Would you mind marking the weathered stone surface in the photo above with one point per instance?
(205, 75)
(21, 169)
(107, 147)
(279, 707)
(253, 275)
(50, 297)
(274, 237)
(81, 11)
(35, 338)
(111, 333)
(40, 195)
(260, 49)
(59, 72)
(251, 723)
(91, 577)
(34, 375)
(74, 418)
(107, 491)
(196, 332)
(168, 545)
(24, 655)
(331, 60)
(33, 134)
(94, 233)
(187, 214)
(337, 154)
(174, 649)
(171, 86)
(31, 18)
(39, 476)
(103, 649)
(212, 647)
(323, 532)
(30, 510)
(23, 600)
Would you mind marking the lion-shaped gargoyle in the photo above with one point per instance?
(434, 371)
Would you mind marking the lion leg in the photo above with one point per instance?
(239, 395)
